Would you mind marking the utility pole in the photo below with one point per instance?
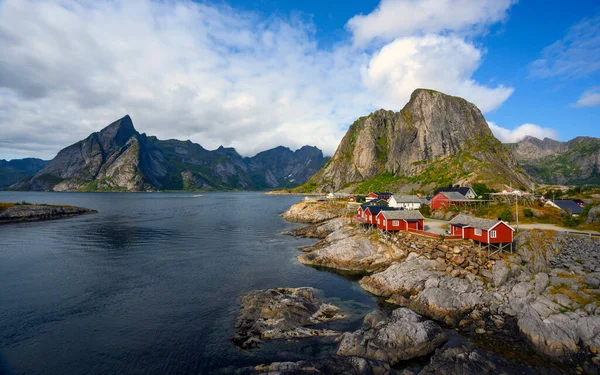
(517, 210)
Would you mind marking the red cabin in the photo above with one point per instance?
(481, 230)
(352, 198)
(400, 220)
(447, 199)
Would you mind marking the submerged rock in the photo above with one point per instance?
(393, 337)
(282, 313)
(331, 365)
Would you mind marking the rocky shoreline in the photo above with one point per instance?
(546, 295)
(20, 212)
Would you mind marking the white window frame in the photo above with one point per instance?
(477, 232)
(493, 234)
(396, 223)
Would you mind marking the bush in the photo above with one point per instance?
(527, 212)
(570, 221)
(586, 210)
(425, 210)
(506, 215)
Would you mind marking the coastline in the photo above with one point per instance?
(11, 213)
(507, 297)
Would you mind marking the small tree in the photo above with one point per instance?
(425, 210)
(527, 212)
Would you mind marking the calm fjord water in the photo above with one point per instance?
(151, 284)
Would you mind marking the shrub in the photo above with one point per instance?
(425, 210)
(527, 212)
(570, 221)
(506, 215)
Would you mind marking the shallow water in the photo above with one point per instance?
(151, 284)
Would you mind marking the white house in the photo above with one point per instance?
(407, 202)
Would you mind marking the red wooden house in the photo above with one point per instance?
(485, 231)
(447, 199)
(352, 198)
(370, 213)
(400, 220)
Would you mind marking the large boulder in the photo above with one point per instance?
(430, 291)
(305, 212)
(392, 336)
(594, 215)
(282, 313)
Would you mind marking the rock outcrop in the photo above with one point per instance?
(118, 158)
(434, 139)
(282, 313)
(392, 336)
(565, 163)
(33, 212)
(330, 365)
(310, 212)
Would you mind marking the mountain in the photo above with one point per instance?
(118, 158)
(15, 170)
(435, 140)
(575, 162)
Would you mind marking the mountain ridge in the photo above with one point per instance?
(119, 158)
(574, 162)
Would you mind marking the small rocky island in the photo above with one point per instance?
(19, 212)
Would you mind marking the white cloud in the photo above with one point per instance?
(208, 73)
(437, 62)
(519, 133)
(589, 98)
(399, 18)
(577, 54)
(180, 69)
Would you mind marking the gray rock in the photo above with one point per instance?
(396, 336)
(282, 313)
(467, 361)
(594, 215)
(588, 329)
(35, 212)
(541, 282)
(330, 365)
(500, 273)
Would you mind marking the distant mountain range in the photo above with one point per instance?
(575, 162)
(118, 158)
(15, 170)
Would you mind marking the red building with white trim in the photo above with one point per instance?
(482, 230)
(400, 220)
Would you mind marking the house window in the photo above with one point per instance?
(478, 232)
(395, 223)
(493, 234)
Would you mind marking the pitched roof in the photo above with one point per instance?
(403, 215)
(374, 210)
(569, 205)
(475, 222)
(407, 199)
(455, 196)
(462, 190)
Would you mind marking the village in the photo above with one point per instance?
(450, 214)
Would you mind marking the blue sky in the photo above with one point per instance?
(256, 74)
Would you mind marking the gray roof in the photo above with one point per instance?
(407, 199)
(454, 196)
(403, 215)
(475, 222)
(569, 205)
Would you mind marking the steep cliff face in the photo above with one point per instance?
(551, 162)
(434, 140)
(118, 158)
(13, 171)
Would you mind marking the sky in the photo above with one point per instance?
(255, 74)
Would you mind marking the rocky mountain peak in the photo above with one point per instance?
(443, 138)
